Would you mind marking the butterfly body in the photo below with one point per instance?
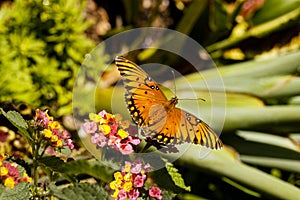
(158, 116)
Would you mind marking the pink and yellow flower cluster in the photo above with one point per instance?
(129, 183)
(107, 129)
(10, 175)
(52, 130)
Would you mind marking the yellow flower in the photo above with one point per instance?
(109, 116)
(54, 125)
(113, 185)
(9, 182)
(2, 157)
(49, 117)
(59, 143)
(127, 177)
(127, 186)
(26, 178)
(54, 138)
(47, 133)
(3, 171)
(94, 117)
(115, 194)
(103, 121)
(118, 176)
(127, 168)
(123, 134)
(104, 128)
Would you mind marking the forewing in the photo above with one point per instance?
(143, 95)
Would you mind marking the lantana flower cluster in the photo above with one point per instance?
(10, 175)
(129, 183)
(52, 130)
(106, 130)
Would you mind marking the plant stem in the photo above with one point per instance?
(35, 152)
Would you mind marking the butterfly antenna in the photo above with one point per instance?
(175, 88)
(174, 81)
(199, 98)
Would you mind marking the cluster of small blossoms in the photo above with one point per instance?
(106, 129)
(52, 130)
(130, 182)
(10, 175)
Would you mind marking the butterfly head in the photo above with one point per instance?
(169, 105)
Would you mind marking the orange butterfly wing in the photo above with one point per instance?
(157, 115)
(143, 96)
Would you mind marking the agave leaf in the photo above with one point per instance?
(224, 163)
(281, 65)
(286, 119)
(284, 164)
(269, 139)
(267, 87)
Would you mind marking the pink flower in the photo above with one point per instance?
(55, 132)
(147, 167)
(122, 195)
(41, 116)
(113, 141)
(89, 127)
(50, 151)
(12, 171)
(134, 194)
(125, 148)
(102, 113)
(66, 134)
(134, 140)
(155, 192)
(70, 144)
(99, 139)
(136, 168)
(139, 180)
(113, 128)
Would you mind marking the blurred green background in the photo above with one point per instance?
(254, 43)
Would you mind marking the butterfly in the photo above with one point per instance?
(159, 117)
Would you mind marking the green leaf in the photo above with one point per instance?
(176, 176)
(56, 165)
(20, 191)
(15, 118)
(18, 121)
(86, 191)
(97, 169)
